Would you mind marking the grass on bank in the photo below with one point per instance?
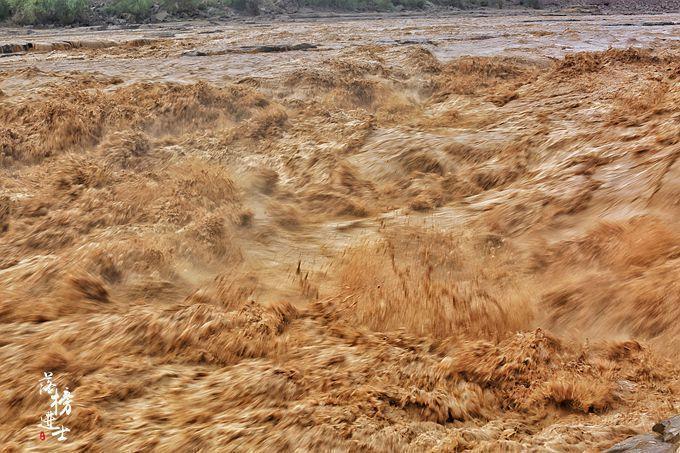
(43, 11)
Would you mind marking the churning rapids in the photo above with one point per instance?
(388, 234)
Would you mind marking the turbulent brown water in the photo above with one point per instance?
(441, 234)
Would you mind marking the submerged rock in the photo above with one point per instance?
(278, 48)
(194, 53)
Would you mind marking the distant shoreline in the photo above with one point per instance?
(98, 15)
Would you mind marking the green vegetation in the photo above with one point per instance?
(62, 12)
(141, 9)
(5, 11)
